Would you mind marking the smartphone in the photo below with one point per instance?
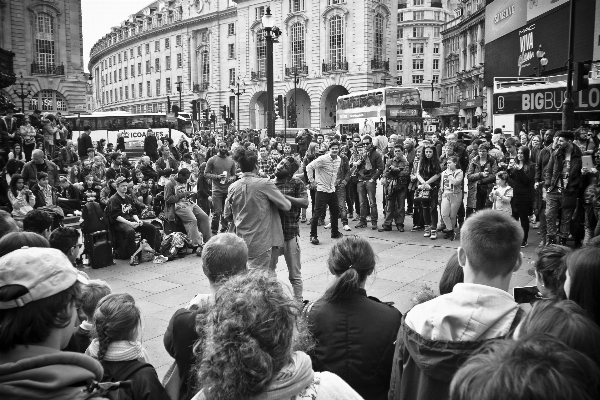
(587, 162)
(526, 294)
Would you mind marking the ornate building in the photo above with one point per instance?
(328, 48)
(463, 91)
(46, 37)
(419, 40)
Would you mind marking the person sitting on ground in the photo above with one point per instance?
(361, 352)
(443, 328)
(550, 271)
(38, 307)
(223, 256)
(68, 241)
(117, 328)
(583, 279)
(258, 353)
(116, 167)
(38, 221)
(46, 199)
(17, 240)
(69, 197)
(38, 164)
(21, 198)
(142, 193)
(145, 167)
(537, 367)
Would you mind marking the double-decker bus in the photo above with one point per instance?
(133, 127)
(394, 109)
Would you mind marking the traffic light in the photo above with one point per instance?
(175, 109)
(224, 112)
(205, 114)
(581, 75)
(279, 106)
(194, 110)
(213, 118)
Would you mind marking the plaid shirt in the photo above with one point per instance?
(267, 167)
(289, 219)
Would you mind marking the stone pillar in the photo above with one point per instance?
(461, 51)
(469, 42)
(480, 44)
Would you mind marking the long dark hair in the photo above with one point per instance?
(526, 154)
(13, 183)
(585, 279)
(550, 266)
(351, 260)
(429, 166)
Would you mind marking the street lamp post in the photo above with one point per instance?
(23, 95)
(271, 35)
(179, 83)
(238, 93)
(542, 61)
(432, 90)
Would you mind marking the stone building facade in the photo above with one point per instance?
(463, 92)
(328, 48)
(46, 37)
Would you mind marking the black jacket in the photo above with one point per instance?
(150, 145)
(553, 171)
(145, 384)
(355, 340)
(84, 142)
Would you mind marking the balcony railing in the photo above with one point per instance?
(256, 75)
(335, 66)
(296, 70)
(380, 64)
(47, 69)
(201, 87)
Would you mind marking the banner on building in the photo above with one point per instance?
(504, 16)
(545, 100)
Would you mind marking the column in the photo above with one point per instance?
(479, 44)
(193, 60)
(468, 59)
(461, 58)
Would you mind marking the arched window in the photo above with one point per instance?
(48, 100)
(44, 42)
(297, 31)
(205, 66)
(261, 53)
(336, 39)
(378, 37)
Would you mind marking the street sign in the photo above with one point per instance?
(171, 117)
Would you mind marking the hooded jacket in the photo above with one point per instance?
(45, 373)
(437, 337)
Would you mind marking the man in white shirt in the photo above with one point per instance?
(325, 170)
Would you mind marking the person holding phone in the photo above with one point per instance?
(20, 197)
(521, 175)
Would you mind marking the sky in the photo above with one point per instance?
(101, 15)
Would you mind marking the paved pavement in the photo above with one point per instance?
(406, 262)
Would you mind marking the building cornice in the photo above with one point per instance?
(469, 22)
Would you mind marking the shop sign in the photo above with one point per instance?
(537, 8)
(545, 100)
(446, 110)
(398, 112)
(505, 17)
(474, 103)
(358, 114)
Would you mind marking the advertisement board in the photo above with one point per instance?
(514, 54)
(545, 100)
(535, 8)
(504, 16)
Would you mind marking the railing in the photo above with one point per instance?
(200, 87)
(335, 66)
(297, 70)
(47, 69)
(254, 76)
(380, 64)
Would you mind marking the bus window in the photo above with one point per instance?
(140, 122)
(370, 101)
(378, 99)
(363, 101)
(185, 127)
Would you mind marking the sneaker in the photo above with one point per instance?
(427, 232)
(347, 228)
(361, 225)
(338, 235)
(416, 228)
(303, 219)
(400, 228)
(374, 227)
(327, 226)
(385, 228)
(433, 235)
(314, 240)
(524, 243)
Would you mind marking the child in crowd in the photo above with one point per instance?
(142, 193)
(502, 193)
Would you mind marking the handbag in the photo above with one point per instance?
(172, 381)
(422, 194)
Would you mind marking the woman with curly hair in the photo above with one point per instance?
(354, 333)
(248, 346)
(117, 327)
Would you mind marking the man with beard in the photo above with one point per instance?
(295, 191)
(396, 174)
(221, 170)
(39, 164)
(540, 169)
(116, 167)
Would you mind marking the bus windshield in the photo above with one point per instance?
(402, 97)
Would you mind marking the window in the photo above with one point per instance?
(179, 61)
(147, 66)
(418, 15)
(436, 48)
(126, 92)
(179, 79)
(115, 72)
(158, 87)
(132, 91)
(48, 100)
(399, 81)
(139, 50)
(167, 43)
(119, 58)
(147, 48)
(418, 2)
(157, 64)
(418, 48)
(399, 65)
(417, 64)
(231, 76)
(259, 12)
(109, 78)
(400, 16)
(261, 53)
(125, 55)
(168, 85)
(141, 89)
(399, 50)
(204, 36)
(111, 96)
(436, 63)
(110, 61)
(148, 89)
(417, 79)
(297, 38)
(399, 32)
(296, 5)
(336, 39)
(437, 15)
(231, 29)
(231, 50)
(132, 71)
(168, 62)
(378, 37)
(436, 31)
(130, 53)
(157, 45)
(121, 94)
(418, 31)
(119, 73)
(436, 79)
(205, 66)
(178, 40)
(139, 68)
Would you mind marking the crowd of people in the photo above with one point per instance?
(240, 199)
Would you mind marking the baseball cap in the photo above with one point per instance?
(42, 271)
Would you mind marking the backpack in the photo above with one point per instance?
(124, 374)
(94, 219)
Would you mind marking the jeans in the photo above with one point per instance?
(352, 197)
(395, 211)
(148, 231)
(553, 208)
(291, 253)
(218, 203)
(322, 200)
(366, 194)
(194, 220)
(521, 212)
(449, 210)
(262, 261)
(429, 210)
(340, 191)
(543, 226)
